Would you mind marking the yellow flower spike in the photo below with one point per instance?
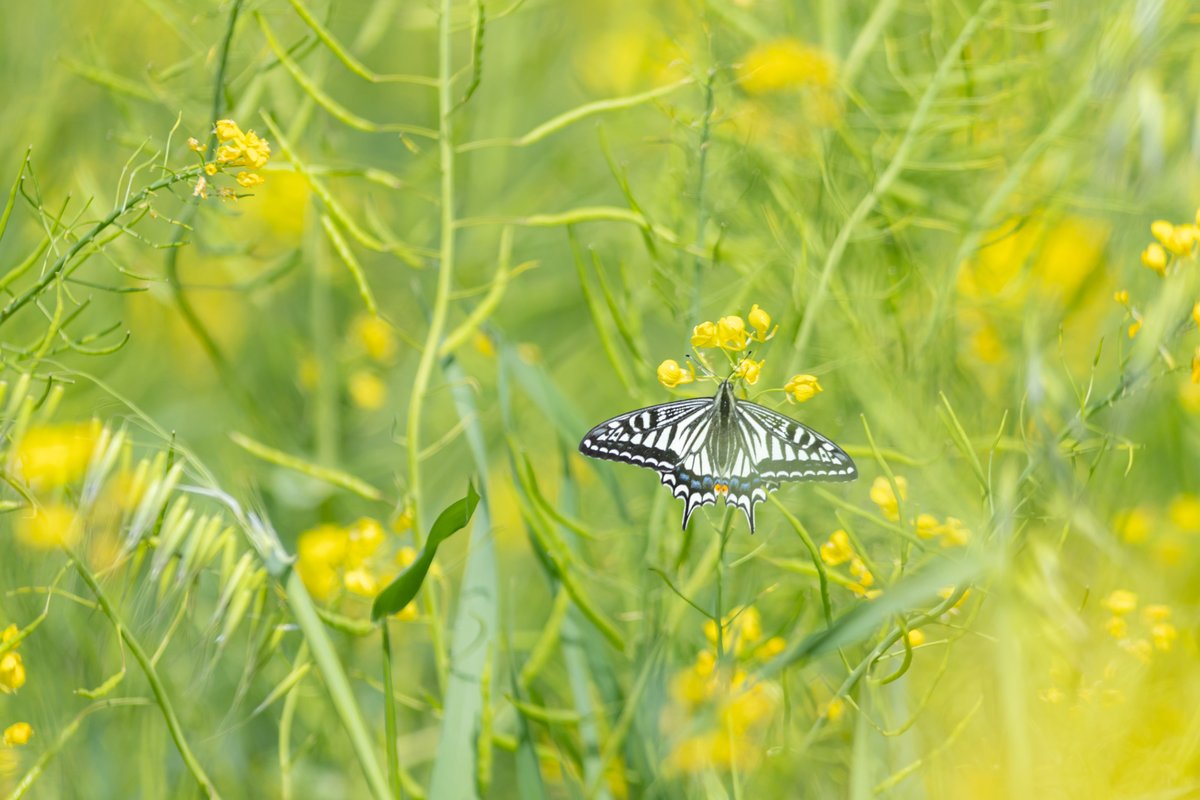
(48, 527)
(927, 526)
(1155, 257)
(704, 335)
(883, 496)
(670, 374)
(749, 371)
(915, 638)
(376, 337)
(760, 320)
(1156, 612)
(18, 734)
(227, 129)
(1117, 627)
(12, 672)
(367, 390)
(838, 549)
(954, 533)
(802, 388)
(1122, 297)
(1121, 602)
(1164, 635)
(1134, 328)
(250, 179)
(732, 334)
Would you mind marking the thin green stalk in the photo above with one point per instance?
(701, 210)
(156, 684)
(389, 712)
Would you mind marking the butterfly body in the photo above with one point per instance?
(720, 446)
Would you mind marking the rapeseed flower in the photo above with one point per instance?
(670, 374)
(838, 549)
(17, 734)
(749, 371)
(49, 456)
(48, 526)
(802, 388)
(784, 64)
(883, 495)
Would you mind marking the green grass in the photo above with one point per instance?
(227, 423)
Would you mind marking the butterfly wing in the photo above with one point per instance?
(656, 437)
(785, 450)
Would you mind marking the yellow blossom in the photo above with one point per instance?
(1053, 695)
(361, 581)
(1121, 602)
(363, 538)
(9, 634)
(228, 154)
(747, 708)
(48, 526)
(18, 734)
(195, 145)
(954, 533)
(1164, 635)
(1196, 313)
(1117, 627)
(227, 129)
(838, 549)
(705, 335)
(802, 388)
(749, 371)
(1176, 238)
(404, 520)
(859, 570)
(54, 455)
(12, 672)
(250, 179)
(742, 630)
(320, 551)
(1122, 297)
(255, 151)
(771, 648)
(1155, 258)
(1133, 525)
(1134, 327)
(367, 390)
(915, 638)
(1156, 612)
(1185, 512)
(884, 496)
(927, 526)
(670, 374)
(784, 64)
(376, 337)
(946, 592)
(211, 168)
(760, 320)
(1139, 648)
(731, 333)
(834, 710)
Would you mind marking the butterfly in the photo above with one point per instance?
(720, 445)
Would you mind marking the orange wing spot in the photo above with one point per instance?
(720, 488)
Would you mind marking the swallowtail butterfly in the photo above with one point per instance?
(711, 446)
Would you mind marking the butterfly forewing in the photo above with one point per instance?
(785, 450)
(656, 437)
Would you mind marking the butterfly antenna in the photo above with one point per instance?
(703, 367)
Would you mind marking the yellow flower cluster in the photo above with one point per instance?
(330, 557)
(838, 550)
(49, 456)
(742, 707)
(237, 148)
(731, 334)
(884, 496)
(1173, 241)
(12, 667)
(784, 64)
(951, 533)
(1121, 603)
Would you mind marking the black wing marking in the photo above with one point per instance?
(656, 437)
(785, 450)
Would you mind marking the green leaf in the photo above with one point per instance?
(401, 591)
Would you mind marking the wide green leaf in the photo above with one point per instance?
(400, 592)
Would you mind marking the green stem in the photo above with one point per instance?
(389, 712)
(156, 684)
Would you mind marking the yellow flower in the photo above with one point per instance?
(1117, 627)
(1139, 648)
(670, 374)
(731, 333)
(749, 371)
(256, 151)
(695, 685)
(954, 533)
(743, 629)
(363, 538)
(211, 168)
(1134, 327)
(802, 388)
(784, 64)
(1196, 366)
(18, 734)
(927, 526)
(325, 544)
(9, 633)
(705, 335)
(946, 592)
(1155, 258)
(771, 648)
(1164, 635)
(54, 455)
(916, 638)
(367, 390)
(1133, 525)
(250, 179)
(49, 526)
(834, 710)
(376, 337)
(1156, 612)
(361, 581)
(1196, 313)
(12, 672)
(1185, 512)
(1122, 297)
(1121, 602)
(838, 549)
(227, 129)
(195, 145)
(227, 154)
(747, 708)
(760, 320)
(883, 496)
(859, 570)
(1176, 238)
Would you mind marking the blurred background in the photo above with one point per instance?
(973, 226)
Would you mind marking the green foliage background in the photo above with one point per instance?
(935, 201)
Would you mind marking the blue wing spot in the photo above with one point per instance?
(708, 482)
